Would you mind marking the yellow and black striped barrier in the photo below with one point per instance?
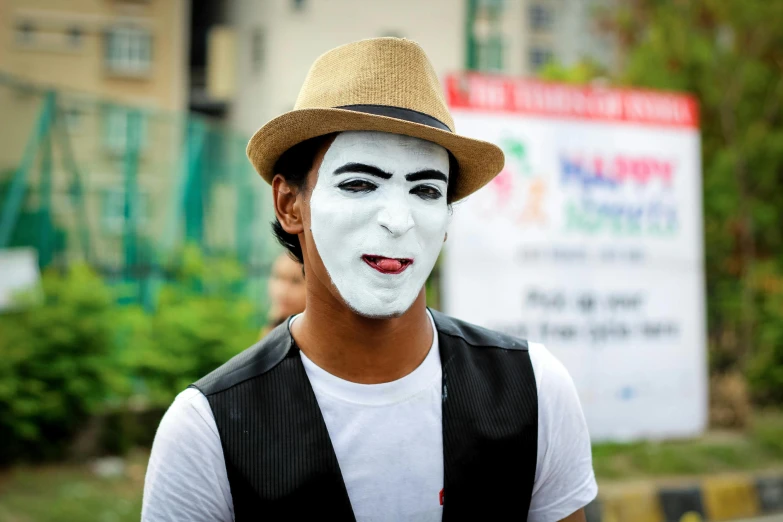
(722, 497)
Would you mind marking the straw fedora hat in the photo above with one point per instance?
(381, 84)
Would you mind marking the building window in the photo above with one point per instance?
(117, 128)
(495, 5)
(129, 50)
(75, 36)
(489, 54)
(73, 118)
(25, 33)
(257, 49)
(485, 35)
(540, 17)
(539, 56)
(113, 210)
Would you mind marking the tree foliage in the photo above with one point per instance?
(729, 53)
(582, 72)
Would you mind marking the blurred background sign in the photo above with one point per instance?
(19, 267)
(590, 241)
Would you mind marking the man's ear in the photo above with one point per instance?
(287, 205)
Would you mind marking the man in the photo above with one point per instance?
(286, 291)
(368, 406)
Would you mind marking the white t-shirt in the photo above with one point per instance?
(388, 442)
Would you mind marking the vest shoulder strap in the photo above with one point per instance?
(490, 422)
(280, 460)
(476, 335)
(255, 360)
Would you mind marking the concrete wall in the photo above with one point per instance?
(291, 39)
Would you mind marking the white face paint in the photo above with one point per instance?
(379, 235)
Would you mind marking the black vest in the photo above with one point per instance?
(282, 466)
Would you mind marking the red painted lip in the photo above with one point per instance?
(388, 265)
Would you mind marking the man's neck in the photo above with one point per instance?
(362, 350)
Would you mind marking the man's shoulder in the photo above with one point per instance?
(476, 335)
(255, 360)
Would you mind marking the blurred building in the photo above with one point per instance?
(212, 58)
(274, 42)
(132, 51)
(89, 90)
(566, 31)
(100, 159)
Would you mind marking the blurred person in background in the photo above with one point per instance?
(286, 291)
(369, 405)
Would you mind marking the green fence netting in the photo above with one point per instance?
(125, 189)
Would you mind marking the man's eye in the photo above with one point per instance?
(427, 192)
(357, 185)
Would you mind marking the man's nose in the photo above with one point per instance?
(396, 217)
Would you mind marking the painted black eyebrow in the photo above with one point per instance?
(427, 174)
(364, 169)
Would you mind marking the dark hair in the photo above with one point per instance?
(295, 164)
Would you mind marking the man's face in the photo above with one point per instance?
(378, 217)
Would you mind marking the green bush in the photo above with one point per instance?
(201, 321)
(76, 362)
(55, 364)
(765, 368)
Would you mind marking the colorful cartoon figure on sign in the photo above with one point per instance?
(516, 193)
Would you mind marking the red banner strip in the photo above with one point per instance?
(537, 98)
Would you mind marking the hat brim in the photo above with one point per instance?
(479, 161)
